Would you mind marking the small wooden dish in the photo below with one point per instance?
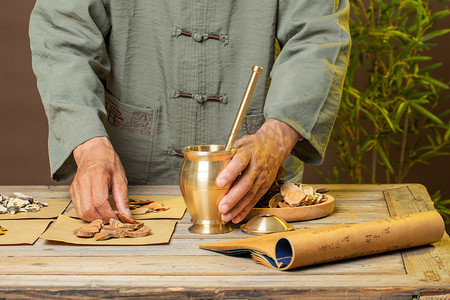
(294, 214)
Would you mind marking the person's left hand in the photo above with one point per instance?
(254, 166)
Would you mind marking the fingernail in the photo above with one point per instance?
(221, 182)
(224, 208)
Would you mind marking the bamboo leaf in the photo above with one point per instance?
(437, 136)
(384, 158)
(426, 113)
(365, 148)
(444, 210)
(431, 141)
(433, 154)
(385, 114)
(443, 202)
(399, 113)
(434, 34)
(447, 135)
(433, 81)
(418, 58)
(437, 16)
(419, 19)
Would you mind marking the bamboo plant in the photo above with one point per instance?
(391, 116)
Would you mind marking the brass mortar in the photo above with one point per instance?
(201, 166)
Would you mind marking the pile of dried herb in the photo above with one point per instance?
(115, 229)
(140, 207)
(19, 202)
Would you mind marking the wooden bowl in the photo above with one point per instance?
(294, 214)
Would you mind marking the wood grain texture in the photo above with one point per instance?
(182, 270)
(431, 262)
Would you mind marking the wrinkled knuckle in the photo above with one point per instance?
(260, 164)
(246, 185)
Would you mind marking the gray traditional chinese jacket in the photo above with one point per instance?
(156, 76)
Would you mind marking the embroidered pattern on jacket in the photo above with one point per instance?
(139, 122)
(114, 116)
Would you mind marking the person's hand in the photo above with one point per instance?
(254, 166)
(99, 171)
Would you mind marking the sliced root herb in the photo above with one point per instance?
(141, 207)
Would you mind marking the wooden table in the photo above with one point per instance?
(182, 270)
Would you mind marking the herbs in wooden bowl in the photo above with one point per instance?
(294, 202)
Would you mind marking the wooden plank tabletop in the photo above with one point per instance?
(181, 270)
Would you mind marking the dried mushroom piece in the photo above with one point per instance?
(3, 230)
(89, 230)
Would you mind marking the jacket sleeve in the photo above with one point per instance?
(71, 64)
(308, 75)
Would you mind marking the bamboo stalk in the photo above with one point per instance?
(403, 147)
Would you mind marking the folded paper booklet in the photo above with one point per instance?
(288, 250)
(175, 204)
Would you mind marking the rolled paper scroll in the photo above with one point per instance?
(288, 250)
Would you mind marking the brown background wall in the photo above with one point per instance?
(23, 125)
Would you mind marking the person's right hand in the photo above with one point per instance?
(99, 171)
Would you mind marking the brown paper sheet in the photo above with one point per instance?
(54, 209)
(176, 210)
(62, 231)
(300, 248)
(22, 231)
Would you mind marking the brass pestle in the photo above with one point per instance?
(243, 107)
